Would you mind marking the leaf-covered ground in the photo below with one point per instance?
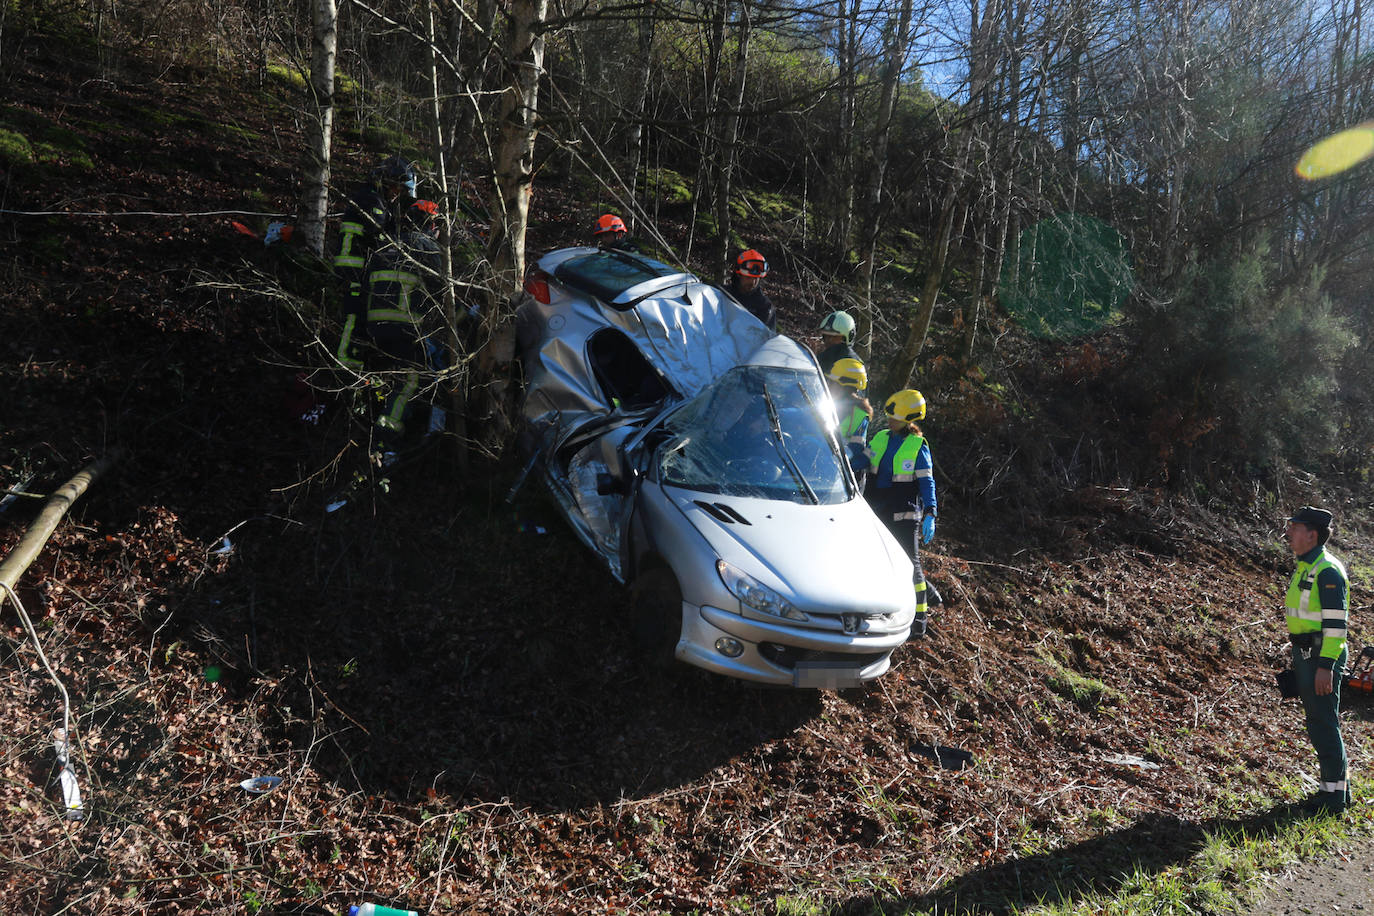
(443, 681)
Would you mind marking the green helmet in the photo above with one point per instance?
(839, 323)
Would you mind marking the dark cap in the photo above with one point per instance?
(1312, 517)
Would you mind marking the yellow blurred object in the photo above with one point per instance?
(1337, 152)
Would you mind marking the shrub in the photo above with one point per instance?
(1240, 369)
(14, 148)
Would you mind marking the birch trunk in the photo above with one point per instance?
(513, 166)
(319, 126)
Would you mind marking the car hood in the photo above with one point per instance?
(826, 559)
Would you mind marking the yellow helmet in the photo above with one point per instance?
(850, 373)
(906, 405)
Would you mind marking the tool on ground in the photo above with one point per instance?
(1360, 675)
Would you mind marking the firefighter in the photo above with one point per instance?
(837, 340)
(847, 381)
(402, 317)
(609, 232)
(1318, 609)
(745, 286)
(901, 488)
(370, 219)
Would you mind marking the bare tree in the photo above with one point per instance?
(319, 125)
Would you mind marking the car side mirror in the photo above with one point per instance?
(609, 485)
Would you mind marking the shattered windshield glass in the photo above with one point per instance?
(761, 432)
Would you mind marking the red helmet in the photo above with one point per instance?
(608, 222)
(751, 263)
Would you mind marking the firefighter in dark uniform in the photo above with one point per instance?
(837, 340)
(745, 287)
(901, 488)
(1318, 611)
(370, 220)
(403, 315)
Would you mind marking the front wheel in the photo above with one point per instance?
(656, 615)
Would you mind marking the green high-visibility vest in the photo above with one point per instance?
(1305, 612)
(904, 462)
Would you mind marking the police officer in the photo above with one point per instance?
(369, 220)
(901, 488)
(745, 286)
(1318, 609)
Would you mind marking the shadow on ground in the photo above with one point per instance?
(407, 671)
(1096, 867)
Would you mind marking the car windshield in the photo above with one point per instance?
(760, 432)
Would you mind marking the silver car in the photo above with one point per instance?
(695, 452)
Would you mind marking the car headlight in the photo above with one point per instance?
(755, 594)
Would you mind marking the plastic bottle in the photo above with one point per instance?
(376, 909)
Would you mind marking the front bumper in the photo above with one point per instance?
(783, 655)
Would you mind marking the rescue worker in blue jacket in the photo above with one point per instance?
(901, 488)
(1318, 611)
(370, 219)
(847, 380)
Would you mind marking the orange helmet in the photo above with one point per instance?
(751, 263)
(608, 222)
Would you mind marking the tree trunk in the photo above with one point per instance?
(319, 126)
(893, 66)
(636, 140)
(904, 364)
(729, 138)
(452, 393)
(842, 176)
(702, 191)
(42, 528)
(513, 181)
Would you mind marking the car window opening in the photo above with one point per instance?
(627, 379)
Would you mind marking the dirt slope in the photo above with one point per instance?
(447, 693)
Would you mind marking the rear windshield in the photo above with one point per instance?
(607, 274)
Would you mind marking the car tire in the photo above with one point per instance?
(656, 615)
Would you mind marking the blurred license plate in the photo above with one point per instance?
(825, 675)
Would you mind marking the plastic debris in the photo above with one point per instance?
(376, 909)
(260, 784)
(71, 791)
(951, 758)
(1131, 760)
(16, 491)
(226, 547)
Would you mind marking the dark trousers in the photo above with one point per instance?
(908, 534)
(1323, 717)
(401, 357)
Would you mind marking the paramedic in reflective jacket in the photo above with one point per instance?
(1318, 608)
(901, 487)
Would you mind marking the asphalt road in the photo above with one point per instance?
(1343, 883)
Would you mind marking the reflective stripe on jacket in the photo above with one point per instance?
(1318, 601)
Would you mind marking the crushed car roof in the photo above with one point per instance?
(689, 332)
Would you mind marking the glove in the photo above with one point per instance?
(927, 529)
